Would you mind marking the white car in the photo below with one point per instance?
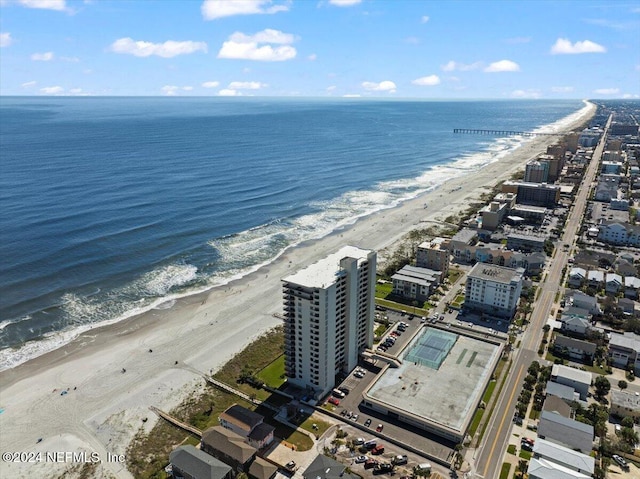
(361, 459)
(358, 374)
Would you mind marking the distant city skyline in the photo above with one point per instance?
(321, 48)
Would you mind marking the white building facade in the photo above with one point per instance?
(329, 311)
(493, 289)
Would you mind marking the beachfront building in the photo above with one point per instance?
(536, 194)
(416, 283)
(247, 424)
(329, 311)
(434, 255)
(536, 172)
(493, 289)
(188, 462)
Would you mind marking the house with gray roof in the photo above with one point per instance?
(628, 306)
(546, 469)
(625, 403)
(595, 278)
(561, 430)
(190, 463)
(229, 447)
(324, 467)
(613, 283)
(413, 282)
(557, 405)
(564, 456)
(575, 378)
(575, 325)
(247, 424)
(577, 276)
(631, 286)
(584, 301)
(624, 350)
(617, 233)
(575, 349)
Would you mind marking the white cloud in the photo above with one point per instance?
(503, 66)
(313, 57)
(247, 47)
(212, 9)
(28, 84)
(52, 90)
(167, 49)
(562, 89)
(246, 85)
(42, 57)
(5, 39)
(430, 80)
(171, 90)
(627, 96)
(564, 47)
(385, 85)
(525, 94)
(331, 88)
(59, 5)
(211, 84)
(607, 91)
(424, 19)
(344, 3)
(229, 92)
(351, 95)
(463, 67)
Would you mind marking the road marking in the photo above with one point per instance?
(495, 440)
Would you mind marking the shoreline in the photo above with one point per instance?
(200, 331)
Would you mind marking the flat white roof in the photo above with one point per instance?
(563, 455)
(323, 273)
(574, 374)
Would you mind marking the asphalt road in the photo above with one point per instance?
(489, 456)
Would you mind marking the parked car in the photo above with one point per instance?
(334, 401)
(358, 374)
(400, 459)
(361, 459)
(344, 389)
(354, 417)
(291, 466)
(379, 449)
(371, 463)
(383, 468)
(379, 428)
(367, 423)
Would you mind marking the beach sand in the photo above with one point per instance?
(78, 399)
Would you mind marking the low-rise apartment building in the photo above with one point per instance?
(493, 289)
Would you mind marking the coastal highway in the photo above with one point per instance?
(488, 457)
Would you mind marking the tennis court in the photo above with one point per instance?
(432, 348)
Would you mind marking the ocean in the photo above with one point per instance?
(110, 207)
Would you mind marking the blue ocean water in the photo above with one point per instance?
(113, 206)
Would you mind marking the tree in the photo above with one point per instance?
(602, 386)
(622, 384)
(522, 467)
(629, 436)
(627, 422)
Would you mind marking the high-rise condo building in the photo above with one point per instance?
(329, 309)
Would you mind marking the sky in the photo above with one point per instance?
(321, 48)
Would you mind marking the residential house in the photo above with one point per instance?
(631, 286)
(595, 278)
(616, 233)
(187, 462)
(584, 301)
(575, 349)
(324, 467)
(554, 461)
(557, 405)
(577, 277)
(229, 447)
(625, 404)
(561, 430)
(625, 268)
(628, 306)
(624, 351)
(575, 325)
(566, 393)
(613, 283)
(575, 378)
(247, 424)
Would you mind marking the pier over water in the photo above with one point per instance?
(503, 132)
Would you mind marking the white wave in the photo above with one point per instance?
(7, 322)
(159, 282)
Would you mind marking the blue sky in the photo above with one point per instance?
(332, 48)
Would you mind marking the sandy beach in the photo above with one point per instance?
(78, 398)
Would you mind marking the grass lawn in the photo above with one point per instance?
(504, 472)
(511, 449)
(273, 374)
(476, 421)
(534, 414)
(382, 290)
(459, 298)
(453, 275)
(322, 426)
(525, 455)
